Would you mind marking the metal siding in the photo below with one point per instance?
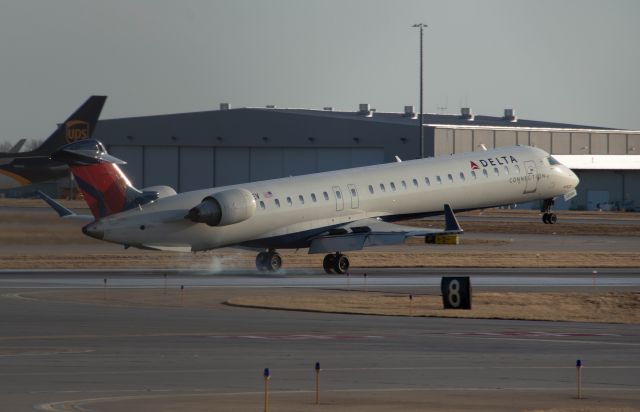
(161, 166)
(633, 142)
(333, 159)
(541, 140)
(196, 168)
(579, 143)
(617, 144)
(632, 189)
(599, 143)
(231, 165)
(523, 138)
(443, 142)
(366, 156)
(133, 156)
(298, 162)
(463, 141)
(505, 138)
(560, 143)
(266, 163)
(484, 137)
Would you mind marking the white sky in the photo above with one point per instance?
(568, 61)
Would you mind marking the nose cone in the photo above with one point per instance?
(94, 229)
(573, 179)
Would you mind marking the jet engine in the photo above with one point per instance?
(224, 208)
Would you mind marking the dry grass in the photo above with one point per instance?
(609, 307)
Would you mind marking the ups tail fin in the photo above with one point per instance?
(80, 125)
(106, 189)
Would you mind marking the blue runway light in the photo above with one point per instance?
(578, 363)
(317, 366)
(266, 372)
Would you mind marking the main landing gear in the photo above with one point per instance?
(336, 262)
(548, 217)
(268, 261)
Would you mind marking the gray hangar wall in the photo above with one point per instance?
(199, 150)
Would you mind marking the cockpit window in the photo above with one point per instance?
(552, 161)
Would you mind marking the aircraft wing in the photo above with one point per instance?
(62, 211)
(374, 232)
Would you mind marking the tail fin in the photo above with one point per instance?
(80, 125)
(105, 187)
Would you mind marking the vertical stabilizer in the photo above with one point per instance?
(106, 189)
(80, 125)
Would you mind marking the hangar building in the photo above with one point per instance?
(212, 148)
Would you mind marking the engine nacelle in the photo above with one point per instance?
(224, 208)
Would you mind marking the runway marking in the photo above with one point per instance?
(298, 337)
(535, 334)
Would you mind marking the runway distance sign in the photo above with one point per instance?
(456, 292)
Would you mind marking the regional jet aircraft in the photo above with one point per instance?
(24, 168)
(329, 212)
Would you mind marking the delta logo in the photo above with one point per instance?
(493, 161)
(75, 130)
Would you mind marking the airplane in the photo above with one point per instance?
(329, 212)
(24, 168)
(18, 146)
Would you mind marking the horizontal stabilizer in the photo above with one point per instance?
(62, 211)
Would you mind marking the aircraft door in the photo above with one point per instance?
(532, 178)
(353, 192)
(337, 192)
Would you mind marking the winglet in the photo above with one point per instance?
(62, 211)
(451, 224)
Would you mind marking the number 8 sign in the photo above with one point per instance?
(456, 292)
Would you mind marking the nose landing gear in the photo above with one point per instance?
(336, 263)
(548, 217)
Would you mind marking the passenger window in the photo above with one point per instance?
(326, 195)
(404, 184)
(393, 186)
(262, 205)
(277, 201)
(438, 180)
(462, 176)
(289, 202)
(473, 174)
(338, 194)
(506, 170)
(353, 192)
(485, 173)
(415, 182)
(450, 177)
(301, 198)
(496, 171)
(313, 197)
(370, 189)
(426, 180)
(382, 187)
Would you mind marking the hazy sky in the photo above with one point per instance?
(567, 61)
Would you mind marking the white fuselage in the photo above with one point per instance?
(289, 210)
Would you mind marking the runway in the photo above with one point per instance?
(54, 352)
(547, 278)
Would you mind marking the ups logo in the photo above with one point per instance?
(76, 130)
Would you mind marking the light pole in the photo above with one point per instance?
(421, 26)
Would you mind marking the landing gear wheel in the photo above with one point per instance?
(328, 263)
(549, 218)
(261, 261)
(274, 262)
(341, 264)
